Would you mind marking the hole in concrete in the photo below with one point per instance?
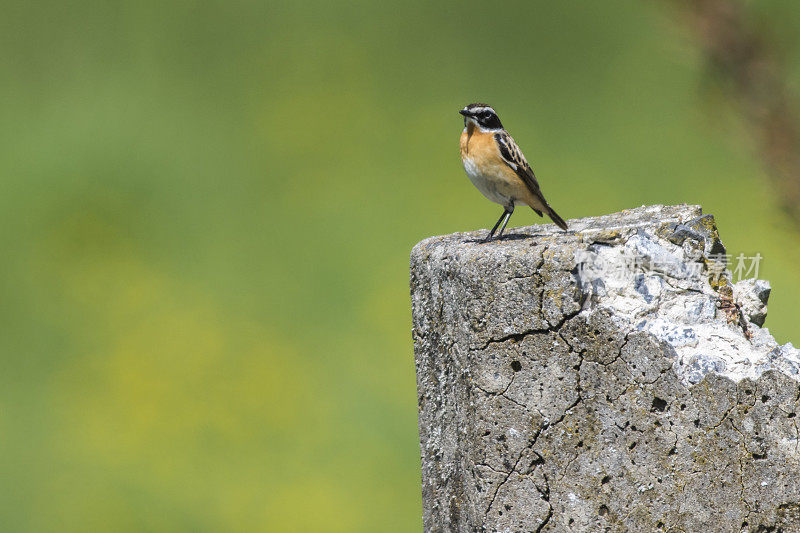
(658, 405)
(672, 451)
(764, 398)
(603, 510)
(758, 456)
(792, 415)
(683, 406)
(516, 366)
(605, 480)
(660, 524)
(508, 507)
(580, 444)
(697, 422)
(571, 521)
(632, 445)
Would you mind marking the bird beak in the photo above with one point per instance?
(464, 112)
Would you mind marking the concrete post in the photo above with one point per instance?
(609, 378)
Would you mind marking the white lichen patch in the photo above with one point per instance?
(648, 283)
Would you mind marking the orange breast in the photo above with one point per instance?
(477, 144)
(481, 148)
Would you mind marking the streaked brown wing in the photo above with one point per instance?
(513, 157)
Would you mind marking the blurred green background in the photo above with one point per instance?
(206, 215)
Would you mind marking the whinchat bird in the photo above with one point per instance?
(496, 166)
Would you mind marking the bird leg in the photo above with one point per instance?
(504, 219)
(503, 227)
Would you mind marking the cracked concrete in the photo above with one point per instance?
(555, 396)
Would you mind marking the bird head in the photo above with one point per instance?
(482, 115)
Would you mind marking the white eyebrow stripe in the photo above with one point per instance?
(481, 109)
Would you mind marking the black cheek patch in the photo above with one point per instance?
(493, 122)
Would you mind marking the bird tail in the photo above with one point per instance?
(557, 219)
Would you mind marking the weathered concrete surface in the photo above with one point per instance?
(556, 394)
